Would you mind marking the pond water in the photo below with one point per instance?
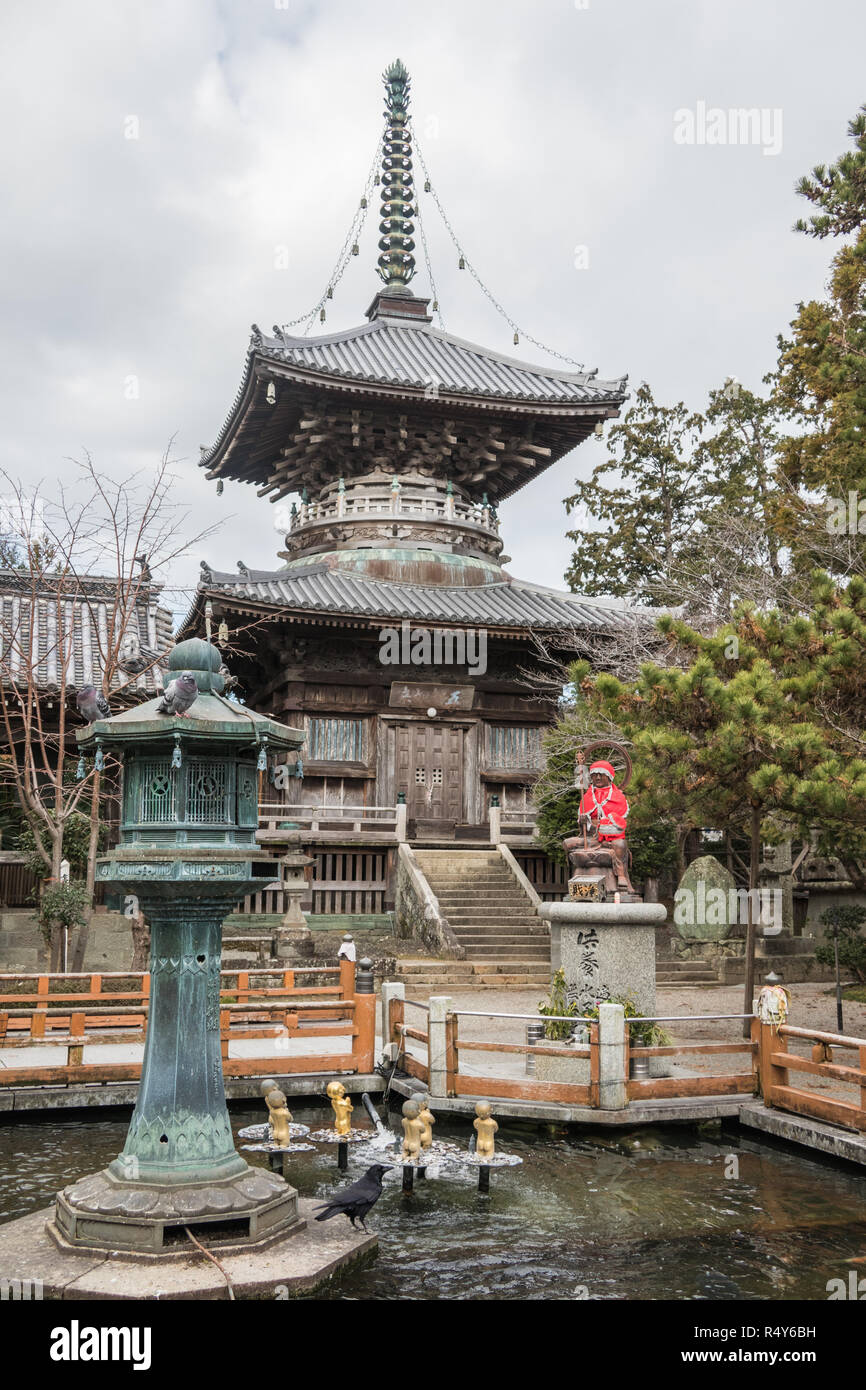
(662, 1213)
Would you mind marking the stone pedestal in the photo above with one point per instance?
(607, 950)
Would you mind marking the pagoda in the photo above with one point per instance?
(398, 442)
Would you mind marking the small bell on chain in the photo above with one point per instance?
(176, 757)
(81, 770)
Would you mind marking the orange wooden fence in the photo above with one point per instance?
(254, 1005)
(777, 1061)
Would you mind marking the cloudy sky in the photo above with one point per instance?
(549, 127)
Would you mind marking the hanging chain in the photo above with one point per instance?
(436, 305)
(347, 250)
(465, 262)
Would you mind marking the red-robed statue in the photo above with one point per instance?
(601, 843)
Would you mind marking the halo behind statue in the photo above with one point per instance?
(606, 750)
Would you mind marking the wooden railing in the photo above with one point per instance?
(777, 1061)
(400, 1034)
(254, 1005)
(325, 816)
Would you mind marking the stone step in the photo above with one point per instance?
(497, 982)
(472, 895)
(677, 965)
(473, 946)
(486, 907)
(686, 976)
(687, 984)
(479, 954)
(424, 967)
(489, 919)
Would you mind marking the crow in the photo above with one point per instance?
(358, 1199)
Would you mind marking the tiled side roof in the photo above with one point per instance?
(419, 355)
(510, 604)
(85, 615)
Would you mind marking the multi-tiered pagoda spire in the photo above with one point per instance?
(396, 262)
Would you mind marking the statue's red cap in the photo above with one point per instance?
(602, 767)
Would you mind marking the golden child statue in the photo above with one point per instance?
(280, 1118)
(485, 1128)
(341, 1106)
(428, 1120)
(412, 1131)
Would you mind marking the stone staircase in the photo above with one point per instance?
(684, 974)
(506, 944)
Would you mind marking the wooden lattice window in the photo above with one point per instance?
(514, 746)
(334, 740)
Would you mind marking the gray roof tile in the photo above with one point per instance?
(510, 604)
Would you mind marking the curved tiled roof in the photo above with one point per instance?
(317, 589)
(418, 355)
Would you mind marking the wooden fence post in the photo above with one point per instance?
(450, 1053)
(75, 1054)
(347, 978)
(771, 1076)
(364, 1041)
(593, 1065)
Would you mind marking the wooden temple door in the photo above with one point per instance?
(430, 771)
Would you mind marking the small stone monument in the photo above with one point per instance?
(705, 903)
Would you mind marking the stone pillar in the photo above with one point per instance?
(612, 1093)
(495, 822)
(607, 950)
(391, 989)
(440, 1006)
(401, 821)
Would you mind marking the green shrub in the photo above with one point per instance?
(557, 1004)
(640, 1034)
(846, 922)
(63, 905)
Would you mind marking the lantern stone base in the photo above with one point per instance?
(102, 1213)
(287, 1267)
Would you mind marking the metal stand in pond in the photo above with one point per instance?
(341, 1133)
(276, 1136)
(482, 1147)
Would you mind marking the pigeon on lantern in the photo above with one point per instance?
(179, 695)
(92, 704)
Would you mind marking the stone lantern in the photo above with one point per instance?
(190, 793)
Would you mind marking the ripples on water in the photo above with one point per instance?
(644, 1215)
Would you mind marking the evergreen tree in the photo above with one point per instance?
(647, 516)
(822, 365)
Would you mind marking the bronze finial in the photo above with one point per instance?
(396, 263)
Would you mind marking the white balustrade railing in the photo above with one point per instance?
(389, 503)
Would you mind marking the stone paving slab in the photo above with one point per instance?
(296, 1265)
